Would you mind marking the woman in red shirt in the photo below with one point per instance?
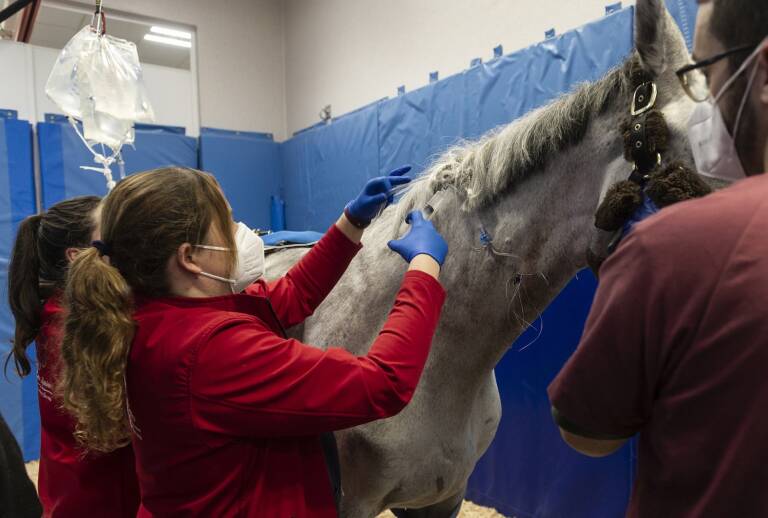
(69, 482)
(174, 339)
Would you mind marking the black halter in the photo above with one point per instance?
(644, 159)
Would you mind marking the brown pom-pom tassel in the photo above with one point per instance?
(621, 201)
(656, 133)
(674, 184)
(637, 74)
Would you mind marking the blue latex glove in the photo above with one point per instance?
(375, 196)
(421, 238)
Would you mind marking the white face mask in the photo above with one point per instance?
(714, 149)
(250, 259)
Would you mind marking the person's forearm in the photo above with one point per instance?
(353, 233)
(402, 347)
(425, 263)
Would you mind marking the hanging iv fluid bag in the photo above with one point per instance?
(97, 79)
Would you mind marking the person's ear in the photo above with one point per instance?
(185, 258)
(71, 254)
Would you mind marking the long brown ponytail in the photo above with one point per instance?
(39, 265)
(144, 220)
(97, 333)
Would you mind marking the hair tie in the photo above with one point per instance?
(102, 247)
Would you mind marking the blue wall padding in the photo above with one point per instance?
(277, 213)
(18, 398)
(435, 113)
(9, 114)
(327, 166)
(247, 165)
(529, 471)
(612, 8)
(507, 88)
(684, 13)
(62, 153)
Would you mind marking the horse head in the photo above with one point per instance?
(660, 51)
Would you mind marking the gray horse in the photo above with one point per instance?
(517, 209)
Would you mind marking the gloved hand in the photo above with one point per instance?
(422, 238)
(374, 197)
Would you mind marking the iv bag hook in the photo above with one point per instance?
(99, 20)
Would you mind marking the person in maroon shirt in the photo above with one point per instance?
(174, 341)
(675, 346)
(69, 481)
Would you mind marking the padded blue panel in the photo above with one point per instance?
(247, 165)
(415, 127)
(9, 114)
(295, 182)
(18, 398)
(528, 471)
(62, 153)
(504, 89)
(277, 213)
(325, 167)
(684, 13)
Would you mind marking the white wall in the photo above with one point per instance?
(16, 86)
(240, 58)
(348, 53)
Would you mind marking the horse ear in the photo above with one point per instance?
(657, 38)
(650, 21)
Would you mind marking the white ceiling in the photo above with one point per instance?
(54, 28)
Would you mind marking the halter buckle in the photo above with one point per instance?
(644, 98)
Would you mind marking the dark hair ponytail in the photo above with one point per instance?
(39, 266)
(24, 291)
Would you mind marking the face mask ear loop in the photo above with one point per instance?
(231, 282)
(744, 101)
(741, 69)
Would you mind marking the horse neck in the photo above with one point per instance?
(546, 222)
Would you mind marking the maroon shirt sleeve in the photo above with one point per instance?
(297, 294)
(249, 381)
(605, 390)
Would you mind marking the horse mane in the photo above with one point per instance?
(482, 170)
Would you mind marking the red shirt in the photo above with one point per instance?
(676, 348)
(70, 483)
(228, 413)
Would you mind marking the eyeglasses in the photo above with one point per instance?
(695, 82)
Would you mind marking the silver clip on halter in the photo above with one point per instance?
(641, 103)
